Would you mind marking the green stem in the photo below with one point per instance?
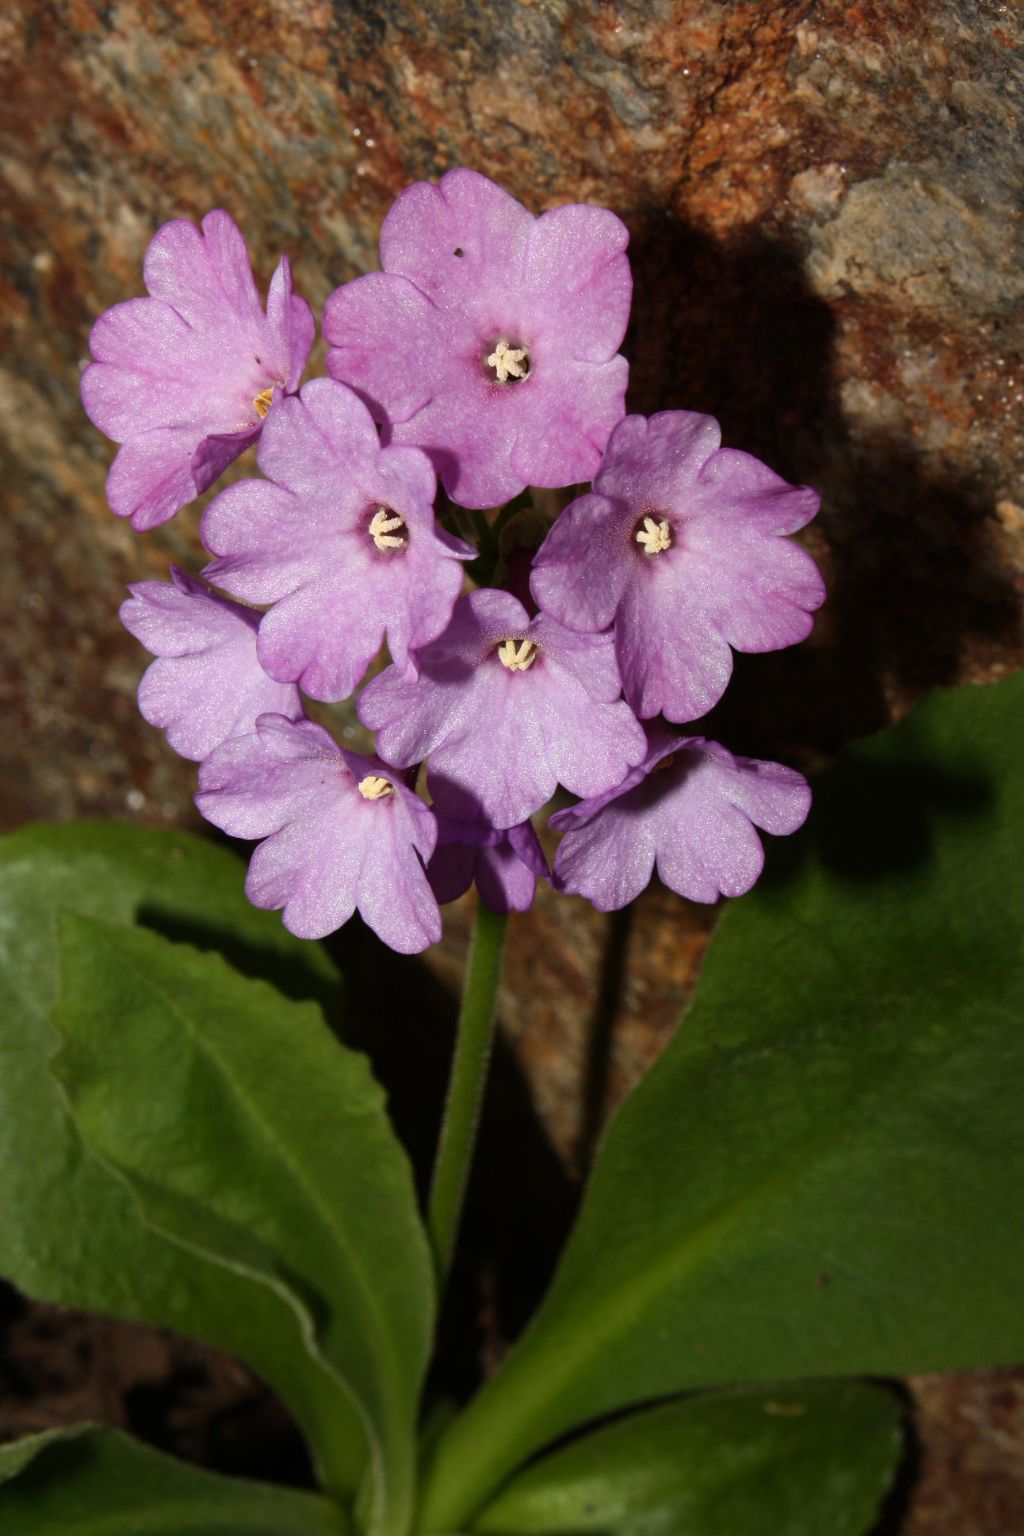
(466, 1087)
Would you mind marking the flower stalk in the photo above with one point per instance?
(466, 1085)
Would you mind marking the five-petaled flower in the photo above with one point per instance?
(340, 832)
(508, 707)
(681, 546)
(340, 540)
(185, 379)
(691, 809)
(490, 338)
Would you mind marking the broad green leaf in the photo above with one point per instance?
(91, 1481)
(71, 1233)
(798, 1461)
(822, 1174)
(249, 1134)
(15, 1455)
(180, 885)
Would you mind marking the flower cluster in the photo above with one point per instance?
(484, 354)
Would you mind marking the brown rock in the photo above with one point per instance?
(826, 209)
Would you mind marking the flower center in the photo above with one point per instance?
(262, 402)
(509, 361)
(373, 787)
(653, 534)
(517, 655)
(387, 529)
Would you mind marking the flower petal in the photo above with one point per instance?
(202, 274)
(610, 861)
(578, 574)
(693, 812)
(213, 455)
(671, 662)
(330, 847)
(576, 262)
(452, 239)
(151, 476)
(383, 338)
(324, 430)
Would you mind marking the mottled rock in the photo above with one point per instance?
(905, 234)
(826, 211)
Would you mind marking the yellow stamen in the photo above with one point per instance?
(517, 655)
(373, 787)
(263, 401)
(509, 362)
(387, 529)
(655, 534)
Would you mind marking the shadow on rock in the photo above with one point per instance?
(736, 331)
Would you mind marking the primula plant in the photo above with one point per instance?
(812, 1184)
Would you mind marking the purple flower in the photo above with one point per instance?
(206, 684)
(340, 831)
(505, 864)
(507, 707)
(490, 337)
(690, 808)
(341, 540)
(185, 378)
(680, 546)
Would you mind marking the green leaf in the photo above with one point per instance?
(182, 886)
(71, 1233)
(248, 1134)
(798, 1461)
(822, 1173)
(15, 1455)
(90, 1481)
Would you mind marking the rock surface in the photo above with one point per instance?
(826, 211)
